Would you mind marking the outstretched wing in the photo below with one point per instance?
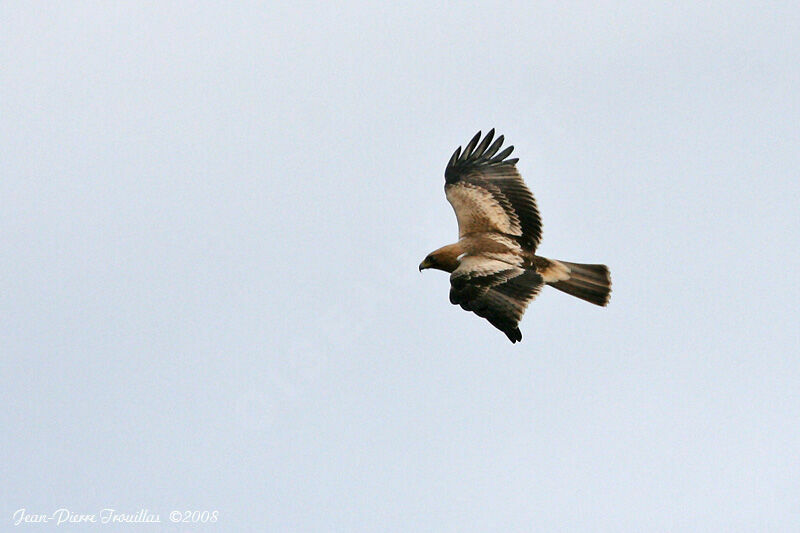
(488, 194)
(494, 290)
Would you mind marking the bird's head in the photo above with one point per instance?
(428, 262)
(445, 258)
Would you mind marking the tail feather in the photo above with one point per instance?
(587, 282)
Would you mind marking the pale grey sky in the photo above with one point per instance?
(211, 217)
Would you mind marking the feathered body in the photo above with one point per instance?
(494, 271)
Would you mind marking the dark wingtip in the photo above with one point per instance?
(502, 155)
(454, 157)
(478, 153)
(470, 148)
(514, 335)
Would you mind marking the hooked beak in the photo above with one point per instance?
(425, 264)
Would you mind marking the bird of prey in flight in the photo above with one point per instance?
(494, 271)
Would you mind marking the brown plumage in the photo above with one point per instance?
(494, 271)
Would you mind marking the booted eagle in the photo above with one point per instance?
(494, 271)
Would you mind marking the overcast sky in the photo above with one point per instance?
(211, 217)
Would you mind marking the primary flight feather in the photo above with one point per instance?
(494, 271)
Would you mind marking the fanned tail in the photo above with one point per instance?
(587, 282)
